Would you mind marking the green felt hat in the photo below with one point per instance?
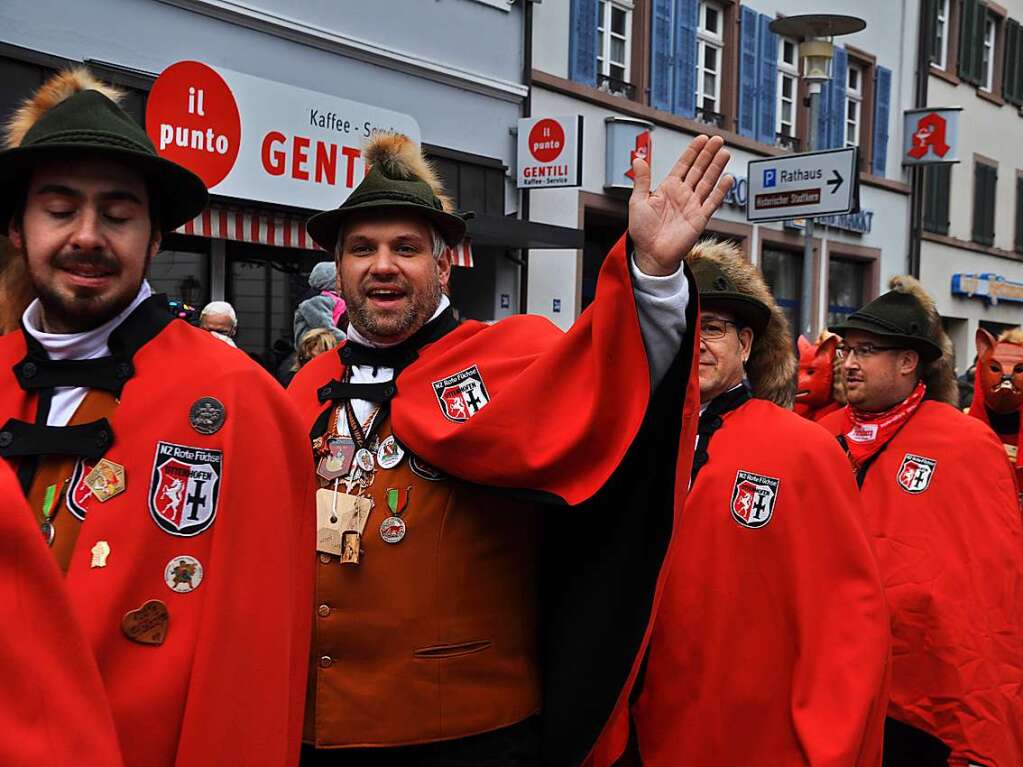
(717, 289)
(901, 319)
(400, 181)
(87, 122)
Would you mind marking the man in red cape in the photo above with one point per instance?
(440, 450)
(771, 642)
(998, 389)
(158, 463)
(53, 710)
(940, 501)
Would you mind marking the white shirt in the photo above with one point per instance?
(75, 346)
(661, 303)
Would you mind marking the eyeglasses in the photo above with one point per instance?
(863, 351)
(714, 330)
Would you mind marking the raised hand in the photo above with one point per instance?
(666, 223)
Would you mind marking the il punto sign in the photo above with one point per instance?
(549, 151)
(262, 140)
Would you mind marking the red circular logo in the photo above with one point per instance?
(546, 140)
(192, 119)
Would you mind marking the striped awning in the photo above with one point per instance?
(264, 227)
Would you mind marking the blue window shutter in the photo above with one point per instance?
(822, 129)
(687, 18)
(748, 73)
(582, 46)
(839, 77)
(662, 60)
(882, 107)
(767, 93)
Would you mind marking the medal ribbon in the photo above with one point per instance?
(862, 443)
(398, 499)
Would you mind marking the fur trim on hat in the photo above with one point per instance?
(399, 157)
(16, 291)
(771, 368)
(1011, 336)
(59, 87)
(939, 376)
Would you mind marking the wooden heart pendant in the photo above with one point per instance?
(147, 624)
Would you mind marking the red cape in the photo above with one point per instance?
(53, 709)
(769, 640)
(940, 502)
(227, 686)
(569, 419)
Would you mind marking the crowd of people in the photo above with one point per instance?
(658, 538)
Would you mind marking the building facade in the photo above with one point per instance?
(677, 68)
(465, 92)
(971, 253)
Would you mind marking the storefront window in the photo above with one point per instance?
(846, 284)
(181, 270)
(783, 270)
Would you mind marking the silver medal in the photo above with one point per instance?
(392, 529)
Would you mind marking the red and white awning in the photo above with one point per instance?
(275, 229)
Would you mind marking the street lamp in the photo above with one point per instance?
(815, 32)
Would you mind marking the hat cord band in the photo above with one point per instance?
(882, 322)
(390, 196)
(101, 137)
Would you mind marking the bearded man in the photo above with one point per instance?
(141, 443)
(940, 501)
(773, 614)
(443, 448)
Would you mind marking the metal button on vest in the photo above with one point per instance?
(326, 661)
(103, 438)
(29, 370)
(390, 390)
(323, 611)
(346, 354)
(123, 371)
(325, 558)
(6, 438)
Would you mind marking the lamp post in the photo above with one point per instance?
(815, 32)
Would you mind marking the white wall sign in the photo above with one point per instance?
(800, 185)
(930, 136)
(550, 152)
(262, 140)
(625, 138)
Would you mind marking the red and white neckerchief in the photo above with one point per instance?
(871, 431)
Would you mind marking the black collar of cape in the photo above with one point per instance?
(37, 373)
(712, 418)
(397, 357)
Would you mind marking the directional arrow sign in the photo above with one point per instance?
(802, 185)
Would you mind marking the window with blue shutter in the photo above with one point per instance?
(662, 58)
(839, 78)
(687, 19)
(767, 42)
(882, 109)
(748, 77)
(822, 129)
(582, 46)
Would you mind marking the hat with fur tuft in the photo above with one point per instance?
(74, 114)
(399, 179)
(727, 280)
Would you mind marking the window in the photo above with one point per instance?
(1012, 80)
(937, 187)
(985, 183)
(853, 104)
(788, 86)
(613, 46)
(846, 281)
(973, 42)
(783, 272)
(709, 58)
(987, 58)
(938, 49)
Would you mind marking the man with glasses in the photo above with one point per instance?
(940, 502)
(773, 614)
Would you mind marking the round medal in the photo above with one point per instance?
(392, 529)
(390, 453)
(183, 574)
(364, 460)
(48, 531)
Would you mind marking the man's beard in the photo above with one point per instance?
(83, 310)
(397, 327)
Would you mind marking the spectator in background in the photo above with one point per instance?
(322, 307)
(314, 343)
(219, 318)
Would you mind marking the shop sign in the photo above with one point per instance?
(550, 152)
(860, 222)
(990, 287)
(738, 193)
(930, 136)
(262, 140)
(625, 139)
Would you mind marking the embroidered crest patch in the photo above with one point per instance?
(78, 493)
(184, 488)
(915, 473)
(753, 499)
(462, 395)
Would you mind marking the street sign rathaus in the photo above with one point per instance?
(802, 185)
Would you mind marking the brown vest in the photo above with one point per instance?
(434, 637)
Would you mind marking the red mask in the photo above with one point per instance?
(999, 373)
(816, 373)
